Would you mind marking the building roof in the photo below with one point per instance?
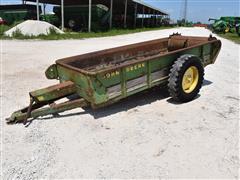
(150, 6)
(116, 3)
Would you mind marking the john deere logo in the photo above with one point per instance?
(128, 69)
(111, 74)
(135, 67)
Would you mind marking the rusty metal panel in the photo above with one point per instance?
(54, 92)
(159, 75)
(114, 91)
(136, 83)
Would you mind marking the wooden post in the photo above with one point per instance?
(125, 14)
(62, 13)
(110, 18)
(89, 15)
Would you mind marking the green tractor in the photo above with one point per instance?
(19, 12)
(226, 24)
(50, 18)
(76, 17)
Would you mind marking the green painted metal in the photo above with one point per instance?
(18, 12)
(76, 17)
(51, 72)
(51, 18)
(98, 85)
(93, 87)
(21, 115)
(54, 92)
(226, 24)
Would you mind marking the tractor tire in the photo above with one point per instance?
(72, 24)
(185, 78)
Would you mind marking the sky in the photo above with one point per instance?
(198, 10)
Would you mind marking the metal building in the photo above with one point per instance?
(130, 11)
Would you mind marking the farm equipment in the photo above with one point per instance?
(76, 17)
(104, 77)
(50, 18)
(226, 24)
(18, 12)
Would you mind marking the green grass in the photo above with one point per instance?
(75, 35)
(231, 36)
(3, 28)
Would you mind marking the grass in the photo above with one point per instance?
(74, 35)
(3, 28)
(231, 36)
(82, 35)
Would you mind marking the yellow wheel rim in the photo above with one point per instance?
(190, 79)
(227, 29)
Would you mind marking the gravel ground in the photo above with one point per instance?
(145, 136)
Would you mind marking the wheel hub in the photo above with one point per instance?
(190, 79)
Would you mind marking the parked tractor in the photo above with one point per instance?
(76, 17)
(226, 24)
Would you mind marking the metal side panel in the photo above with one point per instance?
(114, 91)
(136, 83)
(159, 75)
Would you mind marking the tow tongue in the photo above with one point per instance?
(47, 96)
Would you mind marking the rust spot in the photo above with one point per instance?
(108, 60)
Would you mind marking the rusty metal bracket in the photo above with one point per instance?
(29, 110)
(175, 34)
(54, 92)
(48, 96)
(51, 72)
(21, 116)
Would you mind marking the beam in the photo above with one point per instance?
(62, 13)
(135, 15)
(154, 18)
(142, 16)
(38, 10)
(125, 14)
(89, 15)
(44, 9)
(148, 22)
(111, 11)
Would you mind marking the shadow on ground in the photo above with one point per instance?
(139, 99)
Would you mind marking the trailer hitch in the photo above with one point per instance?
(48, 96)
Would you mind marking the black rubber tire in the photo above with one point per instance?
(71, 23)
(176, 75)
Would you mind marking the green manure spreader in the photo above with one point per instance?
(104, 77)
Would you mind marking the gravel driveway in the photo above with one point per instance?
(145, 136)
